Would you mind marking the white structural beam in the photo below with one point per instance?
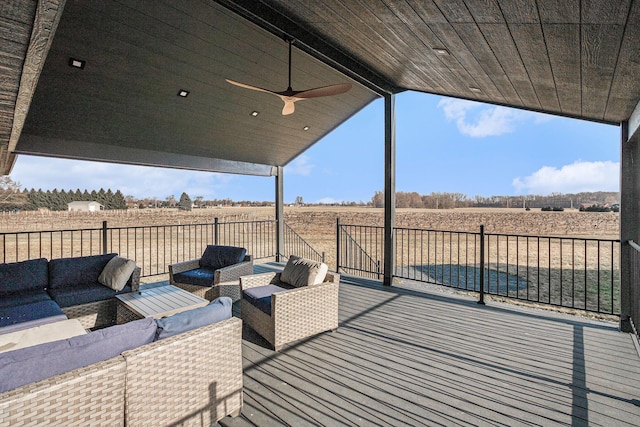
(634, 123)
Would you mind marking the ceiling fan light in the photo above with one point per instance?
(306, 128)
(255, 113)
(183, 93)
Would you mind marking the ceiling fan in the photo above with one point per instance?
(290, 96)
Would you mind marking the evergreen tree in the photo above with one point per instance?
(185, 202)
(119, 201)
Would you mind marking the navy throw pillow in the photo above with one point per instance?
(216, 256)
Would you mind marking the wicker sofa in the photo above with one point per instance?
(39, 291)
(215, 274)
(194, 378)
(282, 313)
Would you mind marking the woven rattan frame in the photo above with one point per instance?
(100, 313)
(94, 314)
(89, 396)
(193, 378)
(226, 281)
(296, 313)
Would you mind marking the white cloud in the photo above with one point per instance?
(138, 181)
(574, 178)
(479, 120)
(299, 166)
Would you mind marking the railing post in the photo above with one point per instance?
(104, 237)
(215, 231)
(338, 245)
(481, 300)
(322, 256)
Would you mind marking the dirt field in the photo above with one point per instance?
(554, 271)
(317, 225)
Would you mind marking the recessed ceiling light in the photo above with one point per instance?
(76, 63)
(306, 128)
(255, 113)
(441, 51)
(183, 93)
(474, 89)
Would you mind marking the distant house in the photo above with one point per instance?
(84, 207)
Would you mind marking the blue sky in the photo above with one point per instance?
(443, 145)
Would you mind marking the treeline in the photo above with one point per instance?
(55, 200)
(459, 200)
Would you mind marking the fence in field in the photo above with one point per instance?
(154, 247)
(561, 271)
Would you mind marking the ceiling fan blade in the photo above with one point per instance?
(324, 91)
(289, 108)
(250, 87)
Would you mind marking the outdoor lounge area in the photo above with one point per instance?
(406, 357)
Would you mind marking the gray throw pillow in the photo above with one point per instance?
(116, 273)
(300, 271)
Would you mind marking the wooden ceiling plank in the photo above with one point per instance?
(46, 18)
(409, 31)
(427, 10)
(599, 12)
(600, 47)
(520, 11)
(454, 10)
(626, 80)
(499, 39)
(19, 11)
(485, 11)
(492, 81)
(559, 12)
(529, 40)
(563, 45)
(12, 31)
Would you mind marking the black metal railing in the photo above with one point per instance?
(359, 250)
(294, 244)
(567, 272)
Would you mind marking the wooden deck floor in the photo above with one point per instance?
(408, 358)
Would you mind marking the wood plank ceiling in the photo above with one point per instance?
(577, 58)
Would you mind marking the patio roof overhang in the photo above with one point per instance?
(572, 58)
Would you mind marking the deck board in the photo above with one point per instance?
(404, 357)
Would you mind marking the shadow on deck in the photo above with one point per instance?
(405, 357)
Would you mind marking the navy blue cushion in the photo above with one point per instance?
(18, 276)
(83, 294)
(199, 276)
(76, 271)
(25, 297)
(216, 256)
(31, 364)
(29, 312)
(217, 310)
(260, 296)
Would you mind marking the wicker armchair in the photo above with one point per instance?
(295, 313)
(225, 281)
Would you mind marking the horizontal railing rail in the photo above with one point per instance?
(570, 272)
(153, 247)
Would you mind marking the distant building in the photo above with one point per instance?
(84, 207)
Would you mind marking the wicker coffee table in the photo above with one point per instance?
(156, 302)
